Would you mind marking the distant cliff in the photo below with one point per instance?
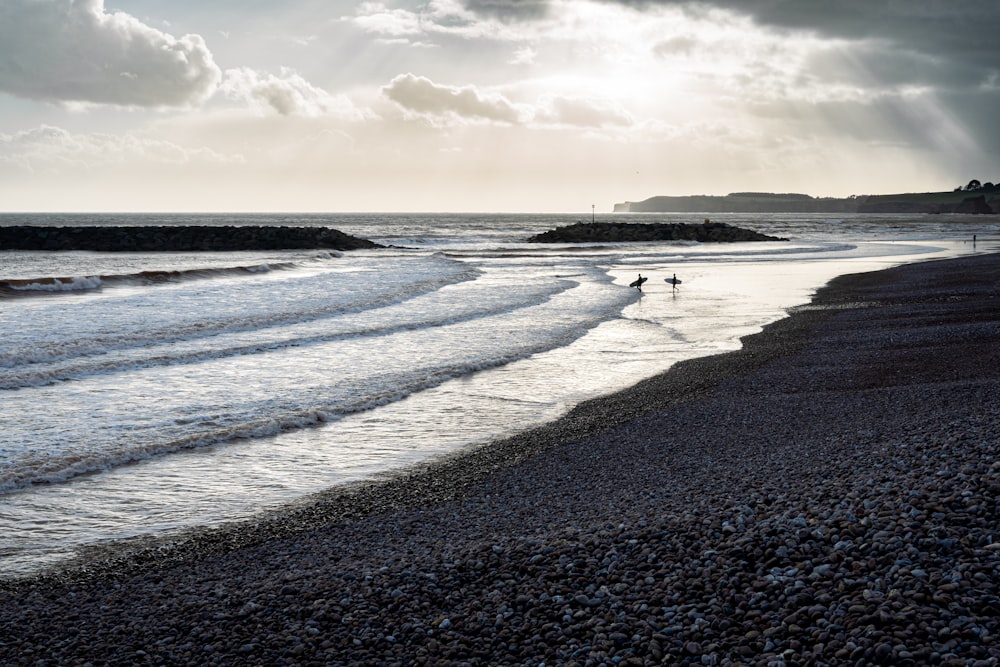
(610, 232)
(740, 202)
(764, 202)
(943, 202)
(178, 238)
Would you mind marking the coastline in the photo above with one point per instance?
(831, 484)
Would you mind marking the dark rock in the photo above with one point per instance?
(178, 238)
(611, 232)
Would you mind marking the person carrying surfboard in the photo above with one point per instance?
(673, 281)
(637, 283)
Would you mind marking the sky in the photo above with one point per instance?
(488, 105)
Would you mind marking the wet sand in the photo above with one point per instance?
(826, 495)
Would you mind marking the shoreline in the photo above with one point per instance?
(636, 526)
(418, 483)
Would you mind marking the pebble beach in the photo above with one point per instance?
(826, 495)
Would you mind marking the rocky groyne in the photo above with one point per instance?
(611, 232)
(177, 238)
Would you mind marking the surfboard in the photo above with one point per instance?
(638, 283)
(673, 281)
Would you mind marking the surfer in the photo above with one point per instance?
(673, 283)
(637, 283)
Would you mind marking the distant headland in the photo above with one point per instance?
(976, 198)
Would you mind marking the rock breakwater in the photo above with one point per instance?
(610, 232)
(177, 238)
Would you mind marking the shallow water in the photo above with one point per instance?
(133, 407)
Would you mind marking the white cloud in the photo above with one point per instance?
(421, 96)
(377, 18)
(287, 93)
(74, 51)
(559, 110)
(437, 17)
(48, 149)
(524, 56)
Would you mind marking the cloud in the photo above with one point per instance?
(74, 51)
(962, 34)
(509, 10)
(680, 45)
(441, 18)
(524, 56)
(48, 149)
(558, 110)
(964, 31)
(377, 18)
(421, 96)
(935, 41)
(287, 93)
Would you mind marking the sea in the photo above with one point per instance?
(143, 394)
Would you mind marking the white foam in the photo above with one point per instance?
(75, 284)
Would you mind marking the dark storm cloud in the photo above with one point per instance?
(509, 10)
(948, 49)
(980, 111)
(963, 32)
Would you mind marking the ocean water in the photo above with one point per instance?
(144, 393)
